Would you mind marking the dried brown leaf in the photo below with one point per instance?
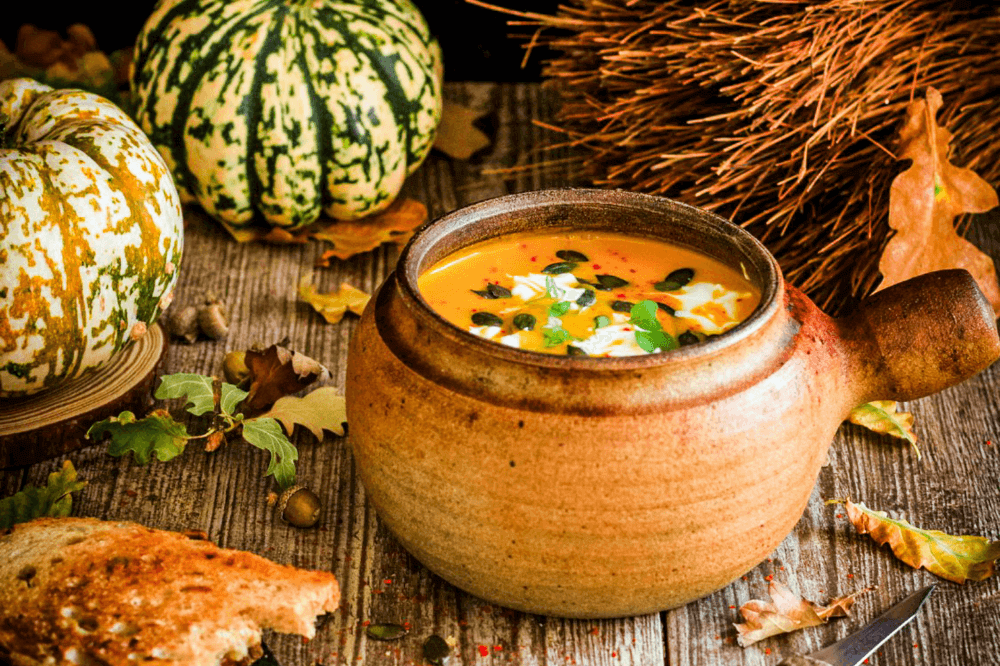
(393, 225)
(319, 410)
(276, 372)
(786, 612)
(333, 305)
(881, 416)
(924, 201)
(457, 135)
(955, 558)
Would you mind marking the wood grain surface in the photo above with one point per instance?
(955, 487)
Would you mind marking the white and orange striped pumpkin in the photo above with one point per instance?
(91, 234)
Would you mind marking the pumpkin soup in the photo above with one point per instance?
(587, 293)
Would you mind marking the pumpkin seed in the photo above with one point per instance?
(493, 291)
(525, 322)
(385, 632)
(574, 351)
(586, 298)
(609, 282)
(688, 338)
(571, 255)
(681, 276)
(666, 308)
(622, 306)
(436, 650)
(667, 285)
(559, 267)
(600, 321)
(486, 319)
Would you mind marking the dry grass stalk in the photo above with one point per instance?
(780, 115)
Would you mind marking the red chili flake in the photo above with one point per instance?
(534, 258)
(781, 568)
(632, 270)
(366, 623)
(840, 515)
(484, 651)
(596, 631)
(744, 578)
(850, 575)
(621, 296)
(387, 581)
(767, 650)
(596, 267)
(989, 442)
(768, 577)
(732, 606)
(498, 648)
(614, 654)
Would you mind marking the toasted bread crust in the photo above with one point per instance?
(82, 592)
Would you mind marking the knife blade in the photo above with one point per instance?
(857, 647)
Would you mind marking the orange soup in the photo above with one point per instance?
(587, 293)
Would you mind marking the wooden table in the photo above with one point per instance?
(954, 488)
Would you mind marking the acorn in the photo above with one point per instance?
(184, 324)
(234, 367)
(212, 320)
(299, 507)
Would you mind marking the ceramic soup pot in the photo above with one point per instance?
(603, 487)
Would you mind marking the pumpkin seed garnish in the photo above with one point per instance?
(675, 280)
(586, 298)
(622, 306)
(525, 322)
(600, 321)
(666, 308)
(385, 632)
(609, 282)
(493, 291)
(571, 255)
(574, 351)
(687, 338)
(436, 650)
(559, 267)
(486, 319)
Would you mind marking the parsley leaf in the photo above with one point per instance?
(652, 337)
(555, 336)
(55, 499)
(559, 308)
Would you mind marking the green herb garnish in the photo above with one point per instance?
(559, 308)
(653, 336)
(552, 290)
(600, 321)
(554, 337)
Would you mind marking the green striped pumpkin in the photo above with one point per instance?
(90, 234)
(274, 112)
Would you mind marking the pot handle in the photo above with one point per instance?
(920, 336)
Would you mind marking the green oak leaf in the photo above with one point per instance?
(157, 434)
(230, 396)
(198, 389)
(265, 433)
(54, 499)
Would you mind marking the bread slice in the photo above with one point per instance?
(87, 592)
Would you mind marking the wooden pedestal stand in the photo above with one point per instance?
(54, 422)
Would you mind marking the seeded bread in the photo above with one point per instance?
(87, 592)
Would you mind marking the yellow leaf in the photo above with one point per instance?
(786, 612)
(319, 410)
(457, 136)
(881, 416)
(393, 225)
(955, 558)
(924, 201)
(333, 305)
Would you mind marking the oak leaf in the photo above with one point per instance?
(881, 416)
(53, 499)
(925, 199)
(457, 136)
(156, 434)
(395, 224)
(333, 305)
(786, 612)
(955, 558)
(277, 371)
(318, 410)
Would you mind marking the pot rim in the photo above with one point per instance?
(413, 260)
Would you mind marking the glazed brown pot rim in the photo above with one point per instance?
(431, 243)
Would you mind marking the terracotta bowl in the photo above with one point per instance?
(602, 487)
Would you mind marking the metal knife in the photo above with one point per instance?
(857, 647)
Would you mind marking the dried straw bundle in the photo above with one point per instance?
(780, 115)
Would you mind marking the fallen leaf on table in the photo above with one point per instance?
(881, 416)
(157, 434)
(393, 225)
(349, 237)
(333, 305)
(786, 612)
(924, 201)
(199, 391)
(276, 372)
(955, 558)
(55, 499)
(319, 410)
(457, 136)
